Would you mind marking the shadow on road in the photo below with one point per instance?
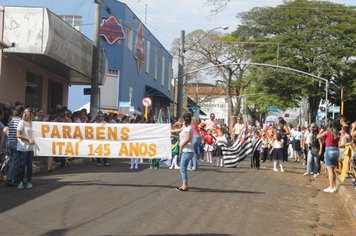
(192, 189)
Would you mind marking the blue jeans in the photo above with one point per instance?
(185, 158)
(26, 158)
(15, 165)
(312, 160)
(331, 156)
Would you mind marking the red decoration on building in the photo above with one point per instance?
(140, 48)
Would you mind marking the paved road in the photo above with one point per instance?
(90, 200)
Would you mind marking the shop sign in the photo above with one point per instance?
(112, 30)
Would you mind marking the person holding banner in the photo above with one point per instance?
(186, 149)
(25, 142)
(101, 119)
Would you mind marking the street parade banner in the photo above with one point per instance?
(102, 140)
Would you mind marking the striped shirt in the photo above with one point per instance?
(13, 129)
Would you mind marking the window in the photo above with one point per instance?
(55, 95)
(155, 76)
(129, 38)
(163, 70)
(148, 55)
(33, 91)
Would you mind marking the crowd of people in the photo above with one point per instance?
(193, 141)
(17, 141)
(311, 146)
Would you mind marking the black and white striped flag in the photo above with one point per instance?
(256, 145)
(237, 152)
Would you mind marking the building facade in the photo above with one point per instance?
(46, 56)
(138, 65)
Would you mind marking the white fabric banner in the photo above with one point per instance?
(102, 140)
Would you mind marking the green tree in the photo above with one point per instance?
(313, 36)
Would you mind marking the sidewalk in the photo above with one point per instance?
(348, 193)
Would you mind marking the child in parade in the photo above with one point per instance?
(175, 153)
(221, 141)
(255, 160)
(278, 152)
(202, 132)
(265, 144)
(209, 146)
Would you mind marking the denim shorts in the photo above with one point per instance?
(331, 156)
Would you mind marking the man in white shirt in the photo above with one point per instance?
(210, 123)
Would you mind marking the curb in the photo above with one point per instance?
(347, 192)
(348, 197)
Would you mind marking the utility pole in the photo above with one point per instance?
(180, 92)
(94, 98)
(342, 100)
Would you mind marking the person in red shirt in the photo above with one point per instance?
(209, 146)
(331, 141)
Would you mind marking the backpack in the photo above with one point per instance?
(315, 146)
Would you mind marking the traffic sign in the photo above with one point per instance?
(87, 91)
(272, 109)
(146, 101)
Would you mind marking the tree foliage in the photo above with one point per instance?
(204, 49)
(313, 36)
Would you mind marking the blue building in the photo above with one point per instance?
(138, 65)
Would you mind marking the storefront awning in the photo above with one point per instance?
(44, 39)
(152, 92)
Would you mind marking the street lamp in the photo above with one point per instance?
(181, 95)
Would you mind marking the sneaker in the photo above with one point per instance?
(131, 167)
(20, 185)
(315, 175)
(305, 174)
(282, 170)
(329, 190)
(29, 185)
(136, 167)
(276, 170)
(177, 168)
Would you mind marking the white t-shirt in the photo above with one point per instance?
(210, 124)
(238, 128)
(297, 135)
(308, 137)
(26, 130)
(182, 135)
(221, 140)
(277, 144)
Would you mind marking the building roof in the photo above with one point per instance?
(205, 89)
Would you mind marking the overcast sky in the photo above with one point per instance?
(164, 18)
